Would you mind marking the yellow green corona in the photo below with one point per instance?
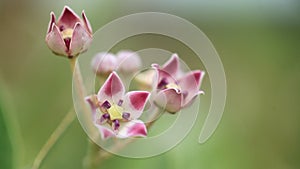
(67, 33)
(115, 112)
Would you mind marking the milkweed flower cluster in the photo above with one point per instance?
(115, 112)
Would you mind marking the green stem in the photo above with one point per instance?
(80, 94)
(58, 132)
(93, 149)
(89, 162)
(61, 128)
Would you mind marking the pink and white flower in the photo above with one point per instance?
(69, 35)
(115, 113)
(175, 90)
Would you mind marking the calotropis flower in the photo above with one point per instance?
(69, 35)
(115, 113)
(175, 90)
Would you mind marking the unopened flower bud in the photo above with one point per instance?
(128, 61)
(104, 63)
(69, 35)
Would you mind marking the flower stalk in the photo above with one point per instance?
(92, 151)
(65, 123)
(58, 132)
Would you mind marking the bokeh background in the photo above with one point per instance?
(258, 42)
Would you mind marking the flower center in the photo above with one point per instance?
(67, 33)
(173, 86)
(115, 112)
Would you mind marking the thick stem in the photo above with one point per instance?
(93, 149)
(89, 160)
(73, 64)
(80, 94)
(61, 128)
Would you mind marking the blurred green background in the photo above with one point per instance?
(258, 42)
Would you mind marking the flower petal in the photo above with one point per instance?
(169, 99)
(190, 84)
(55, 41)
(52, 21)
(67, 19)
(191, 101)
(133, 128)
(91, 100)
(105, 132)
(134, 103)
(172, 65)
(80, 40)
(112, 89)
(161, 78)
(87, 23)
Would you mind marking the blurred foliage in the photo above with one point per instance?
(10, 142)
(258, 42)
(6, 153)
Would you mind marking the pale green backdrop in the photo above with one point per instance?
(258, 42)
